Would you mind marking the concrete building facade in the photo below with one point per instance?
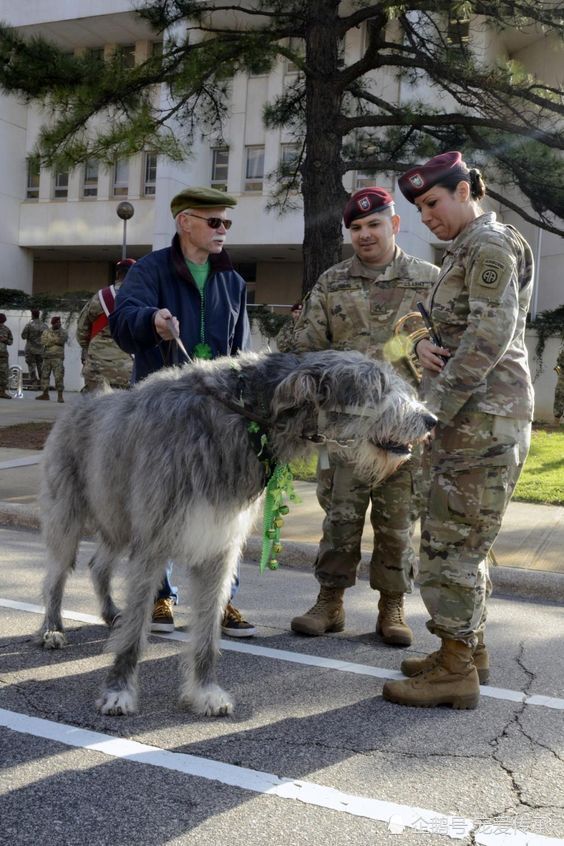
(60, 231)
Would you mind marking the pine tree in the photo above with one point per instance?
(495, 112)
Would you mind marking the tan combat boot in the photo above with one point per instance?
(43, 396)
(412, 666)
(453, 680)
(60, 396)
(327, 615)
(391, 625)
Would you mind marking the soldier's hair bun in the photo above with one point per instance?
(477, 184)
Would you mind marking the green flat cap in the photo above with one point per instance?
(201, 198)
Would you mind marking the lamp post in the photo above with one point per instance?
(125, 211)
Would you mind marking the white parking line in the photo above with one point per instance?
(398, 817)
(308, 660)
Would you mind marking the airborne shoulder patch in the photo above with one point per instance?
(492, 269)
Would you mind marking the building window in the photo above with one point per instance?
(95, 54)
(458, 31)
(121, 178)
(150, 178)
(289, 156)
(32, 190)
(61, 185)
(90, 184)
(254, 172)
(220, 166)
(296, 45)
(362, 179)
(126, 52)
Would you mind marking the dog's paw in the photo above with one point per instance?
(210, 701)
(117, 703)
(53, 639)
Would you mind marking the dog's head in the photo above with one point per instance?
(361, 407)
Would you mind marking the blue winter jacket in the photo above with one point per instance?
(162, 280)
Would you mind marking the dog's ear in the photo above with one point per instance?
(294, 392)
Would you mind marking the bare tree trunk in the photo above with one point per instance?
(323, 192)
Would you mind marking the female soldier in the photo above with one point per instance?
(479, 386)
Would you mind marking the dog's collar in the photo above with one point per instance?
(345, 443)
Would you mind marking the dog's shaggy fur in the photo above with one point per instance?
(168, 471)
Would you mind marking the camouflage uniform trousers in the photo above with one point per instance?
(97, 377)
(34, 364)
(473, 466)
(394, 510)
(55, 365)
(4, 372)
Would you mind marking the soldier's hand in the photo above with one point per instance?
(162, 325)
(429, 355)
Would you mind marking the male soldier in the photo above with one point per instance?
(104, 362)
(355, 305)
(284, 338)
(31, 334)
(6, 339)
(53, 341)
(559, 391)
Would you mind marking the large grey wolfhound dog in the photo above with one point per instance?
(168, 470)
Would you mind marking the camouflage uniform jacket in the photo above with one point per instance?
(103, 352)
(354, 307)
(54, 341)
(479, 306)
(31, 333)
(6, 338)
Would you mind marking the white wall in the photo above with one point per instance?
(544, 383)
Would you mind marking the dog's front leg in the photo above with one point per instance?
(210, 589)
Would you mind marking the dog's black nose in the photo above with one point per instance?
(430, 421)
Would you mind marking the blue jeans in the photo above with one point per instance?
(167, 591)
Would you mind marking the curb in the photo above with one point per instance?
(507, 581)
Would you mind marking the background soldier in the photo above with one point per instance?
(31, 334)
(354, 305)
(6, 339)
(104, 363)
(559, 391)
(53, 340)
(285, 336)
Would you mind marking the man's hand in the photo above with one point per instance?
(161, 322)
(429, 355)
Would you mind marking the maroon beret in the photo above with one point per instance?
(55, 320)
(125, 263)
(364, 202)
(2, 318)
(419, 179)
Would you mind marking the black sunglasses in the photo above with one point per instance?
(213, 222)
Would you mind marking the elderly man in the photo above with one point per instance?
(355, 305)
(189, 289)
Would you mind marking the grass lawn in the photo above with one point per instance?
(542, 479)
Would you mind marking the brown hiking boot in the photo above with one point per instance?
(412, 666)
(453, 680)
(327, 615)
(391, 625)
(60, 396)
(43, 396)
(4, 395)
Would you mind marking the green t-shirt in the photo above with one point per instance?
(200, 272)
